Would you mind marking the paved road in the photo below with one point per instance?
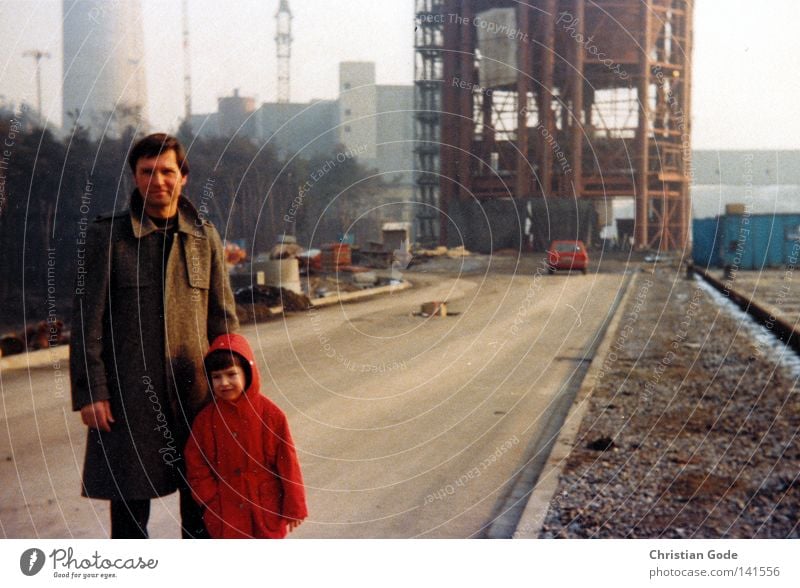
(406, 426)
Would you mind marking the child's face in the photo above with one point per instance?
(228, 384)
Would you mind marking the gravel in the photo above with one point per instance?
(692, 429)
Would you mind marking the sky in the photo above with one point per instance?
(746, 58)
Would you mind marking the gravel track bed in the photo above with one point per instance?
(692, 429)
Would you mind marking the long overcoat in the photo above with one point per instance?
(138, 340)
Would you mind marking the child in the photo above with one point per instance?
(240, 459)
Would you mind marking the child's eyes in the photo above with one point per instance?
(231, 374)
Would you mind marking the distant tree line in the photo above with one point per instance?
(50, 189)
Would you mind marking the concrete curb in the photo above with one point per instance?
(60, 353)
(360, 294)
(533, 516)
(766, 314)
(35, 359)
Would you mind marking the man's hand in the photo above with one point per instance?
(98, 415)
(292, 524)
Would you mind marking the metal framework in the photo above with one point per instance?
(283, 42)
(597, 105)
(187, 65)
(428, 45)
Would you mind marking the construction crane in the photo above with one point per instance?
(187, 70)
(283, 42)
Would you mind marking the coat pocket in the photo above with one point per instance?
(212, 517)
(269, 505)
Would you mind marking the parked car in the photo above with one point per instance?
(567, 255)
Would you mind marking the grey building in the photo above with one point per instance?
(306, 129)
(395, 133)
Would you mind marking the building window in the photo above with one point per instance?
(347, 128)
(347, 112)
(346, 85)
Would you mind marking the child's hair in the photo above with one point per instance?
(222, 359)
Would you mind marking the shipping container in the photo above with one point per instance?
(705, 250)
(747, 241)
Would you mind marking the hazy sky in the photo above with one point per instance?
(746, 59)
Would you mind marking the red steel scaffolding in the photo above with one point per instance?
(581, 99)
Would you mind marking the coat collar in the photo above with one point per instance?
(189, 220)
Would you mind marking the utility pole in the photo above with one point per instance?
(283, 40)
(38, 56)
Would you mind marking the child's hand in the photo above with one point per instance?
(292, 524)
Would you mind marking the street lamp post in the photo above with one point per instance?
(38, 56)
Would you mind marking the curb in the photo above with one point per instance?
(60, 353)
(533, 516)
(35, 359)
(766, 314)
(358, 295)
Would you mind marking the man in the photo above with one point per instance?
(155, 292)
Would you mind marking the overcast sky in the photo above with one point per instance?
(746, 59)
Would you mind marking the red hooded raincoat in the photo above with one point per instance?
(241, 462)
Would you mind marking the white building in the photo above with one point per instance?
(358, 103)
(376, 121)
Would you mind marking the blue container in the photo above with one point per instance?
(754, 242)
(705, 241)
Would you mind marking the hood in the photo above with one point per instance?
(237, 343)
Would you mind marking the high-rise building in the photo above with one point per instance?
(358, 102)
(104, 77)
(376, 121)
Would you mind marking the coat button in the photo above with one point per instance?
(237, 472)
(235, 434)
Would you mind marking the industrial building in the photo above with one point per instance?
(104, 78)
(375, 121)
(540, 107)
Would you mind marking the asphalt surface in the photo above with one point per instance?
(406, 426)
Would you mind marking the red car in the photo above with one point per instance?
(567, 255)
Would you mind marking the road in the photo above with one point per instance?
(406, 426)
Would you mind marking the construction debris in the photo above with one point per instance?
(442, 251)
(41, 335)
(271, 296)
(434, 309)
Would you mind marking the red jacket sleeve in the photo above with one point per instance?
(200, 455)
(288, 466)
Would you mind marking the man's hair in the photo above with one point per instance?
(222, 359)
(156, 144)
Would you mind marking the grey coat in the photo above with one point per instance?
(138, 340)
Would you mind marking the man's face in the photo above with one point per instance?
(160, 181)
